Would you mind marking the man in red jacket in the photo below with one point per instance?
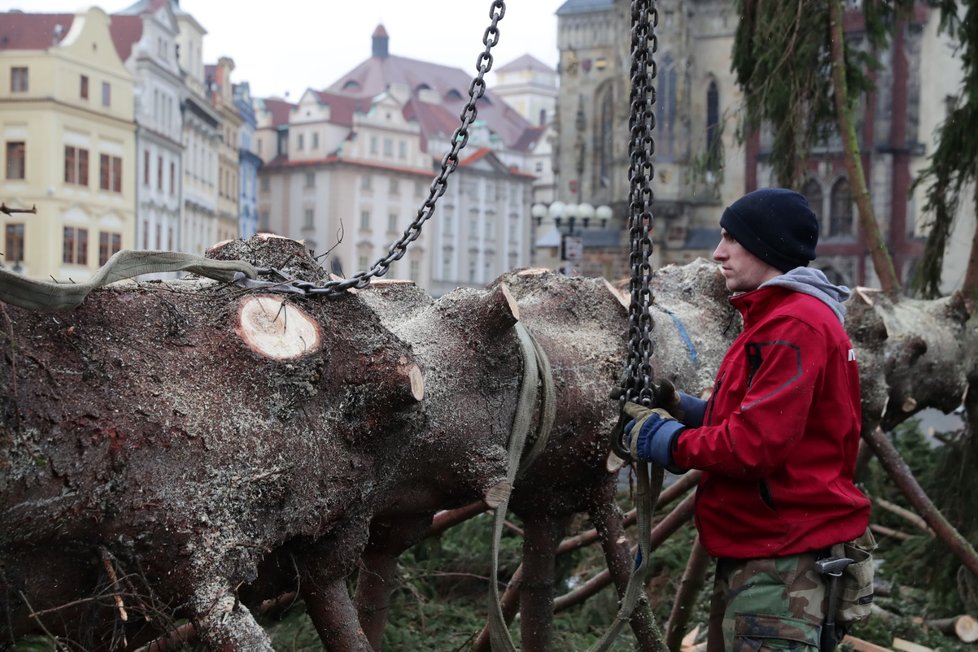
(777, 439)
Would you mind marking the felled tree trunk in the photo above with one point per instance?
(201, 434)
(195, 431)
(190, 429)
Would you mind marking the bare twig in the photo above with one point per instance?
(889, 532)
(662, 531)
(450, 517)
(113, 584)
(902, 476)
(904, 513)
(512, 527)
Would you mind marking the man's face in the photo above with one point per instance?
(742, 270)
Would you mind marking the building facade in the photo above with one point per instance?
(700, 164)
(248, 162)
(221, 92)
(69, 143)
(896, 132)
(347, 169)
(530, 87)
(149, 29)
(202, 134)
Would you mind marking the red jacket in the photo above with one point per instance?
(780, 434)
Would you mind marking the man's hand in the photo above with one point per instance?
(688, 409)
(668, 398)
(651, 435)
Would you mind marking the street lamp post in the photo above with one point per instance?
(570, 221)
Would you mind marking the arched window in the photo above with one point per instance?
(840, 218)
(813, 193)
(712, 126)
(604, 137)
(666, 109)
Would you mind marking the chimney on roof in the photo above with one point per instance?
(380, 42)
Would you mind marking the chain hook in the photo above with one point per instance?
(637, 377)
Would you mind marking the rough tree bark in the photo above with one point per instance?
(143, 424)
(150, 422)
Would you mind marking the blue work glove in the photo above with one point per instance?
(688, 409)
(651, 435)
(693, 410)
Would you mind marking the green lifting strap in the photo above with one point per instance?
(45, 296)
(536, 371)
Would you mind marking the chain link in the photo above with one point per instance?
(437, 188)
(637, 379)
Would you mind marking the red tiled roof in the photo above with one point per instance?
(486, 152)
(23, 31)
(342, 108)
(377, 74)
(279, 109)
(475, 156)
(20, 31)
(126, 32)
(282, 162)
(529, 138)
(434, 119)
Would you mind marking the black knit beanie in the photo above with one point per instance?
(776, 225)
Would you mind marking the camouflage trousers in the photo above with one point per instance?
(767, 604)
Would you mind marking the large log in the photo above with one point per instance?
(217, 450)
(965, 627)
(202, 434)
(146, 423)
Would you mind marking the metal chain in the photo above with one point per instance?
(638, 376)
(437, 188)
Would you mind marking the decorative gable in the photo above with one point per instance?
(310, 109)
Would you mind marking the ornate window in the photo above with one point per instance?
(19, 79)
(76, 165)
(604, 137)
(108, 244)
(712, 126)
(14, 243)
(110, 173)
(666, 107)
(75, 246)
(840, 218)
(16, 160)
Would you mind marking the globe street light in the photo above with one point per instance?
(571, 220)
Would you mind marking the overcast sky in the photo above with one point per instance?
(287, 46)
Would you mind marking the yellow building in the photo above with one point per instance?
(221, 93)
(68, 143)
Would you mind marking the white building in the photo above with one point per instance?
(149, 28)
(348, 168)
(201, 141)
